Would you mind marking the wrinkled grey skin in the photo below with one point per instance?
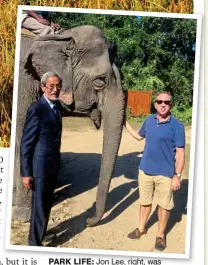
(91, 84)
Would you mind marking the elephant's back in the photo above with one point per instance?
(86, 33)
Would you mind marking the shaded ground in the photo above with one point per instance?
(76, 193)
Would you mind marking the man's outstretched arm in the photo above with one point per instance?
(132, 131)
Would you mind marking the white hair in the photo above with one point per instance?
(47, 75)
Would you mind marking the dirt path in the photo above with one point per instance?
(75, 197)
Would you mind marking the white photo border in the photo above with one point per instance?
(186, 255)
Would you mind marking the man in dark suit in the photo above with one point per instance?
(40, 154)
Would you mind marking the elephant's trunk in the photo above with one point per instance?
(113, 114)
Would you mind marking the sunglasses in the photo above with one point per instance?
(159, 102)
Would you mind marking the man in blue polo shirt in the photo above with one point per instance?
(161, 165)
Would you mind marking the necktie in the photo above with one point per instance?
(55, 110)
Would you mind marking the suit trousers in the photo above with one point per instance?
(44, 180)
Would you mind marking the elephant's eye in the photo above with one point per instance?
(99, 82)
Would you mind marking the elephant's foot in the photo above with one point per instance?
(92, 221)
(22, 214)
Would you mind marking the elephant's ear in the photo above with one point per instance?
(51, 54)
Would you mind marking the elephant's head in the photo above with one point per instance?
(91, 84)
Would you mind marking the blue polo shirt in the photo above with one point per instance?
(162, 138)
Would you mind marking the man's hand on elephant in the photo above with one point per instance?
(55, 26)
(27, 182)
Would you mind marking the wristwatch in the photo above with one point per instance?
(178, 174)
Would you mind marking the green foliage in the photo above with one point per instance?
(184, 114)
(138, 77)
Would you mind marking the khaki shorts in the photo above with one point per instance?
(156, 186)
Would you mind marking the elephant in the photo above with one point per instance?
(91, 85)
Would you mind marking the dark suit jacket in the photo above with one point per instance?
(41, 140)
